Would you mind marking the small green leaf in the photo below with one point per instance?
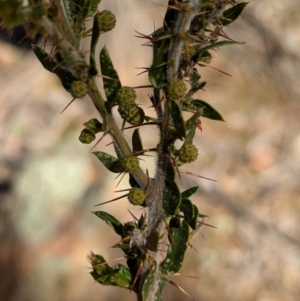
(194, 221)
(186, 206)
(111, 163)
(137, 144)
(111, 221)
(172, 197)
(149, 283)
(191, 122)
(177, 118)
(106, 275)
(189, 192)
(201, 106)
(232, 13)
(50, 64)
(121, 276)
(190, 212)
(94, 7)
(111, 84)
(95, 37)
(157, 74)
(176, 250)
(191, 125)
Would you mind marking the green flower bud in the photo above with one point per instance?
(176, 89)
(130, 164)
(86, 136)
(125, 97)
(136, 196)
(133, 114)
(188, 153)
(128, 227)
(78, 89)
(94, 125)
(106, 20)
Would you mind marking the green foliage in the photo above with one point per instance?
(181, 47)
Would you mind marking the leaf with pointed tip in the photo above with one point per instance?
(177, 118)
(100, 268)
(172, 197)
(95, 37)
(111, 221)
(94, 7)
(201, 106)
(157, 74)
(137, 144)
(176, 250)
(149, 283)
(190, 212)
(50, 64)
(170, 16)
(189, 192)
(232, 13)
(191, 122)
(194, 221)
(111, 163)
(111, 81)
(121, 277)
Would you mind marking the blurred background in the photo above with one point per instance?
(49, 182)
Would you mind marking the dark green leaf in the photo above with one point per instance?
(149, 283)
(111, 163)
(111, 84)
(174, 223)
(50, 64)
(176, 250)
(94, 7)
(137, 144)
(111, 221)
(95, 37)
(172, 197)
(190, 212)
(194, 221)
(203, 107)
(232, 13)
(121, 276)
(170, 16)
(177, 118)
(189, 192)
(157, 72)
(106, 275)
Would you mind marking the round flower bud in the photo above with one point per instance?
(106, 20)
(130, 164)
(125, 97)
(86, 136)
(133, 114)
(176, 89)
(136, 196)
(128, 227)
(188, 153)
(78, 89)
